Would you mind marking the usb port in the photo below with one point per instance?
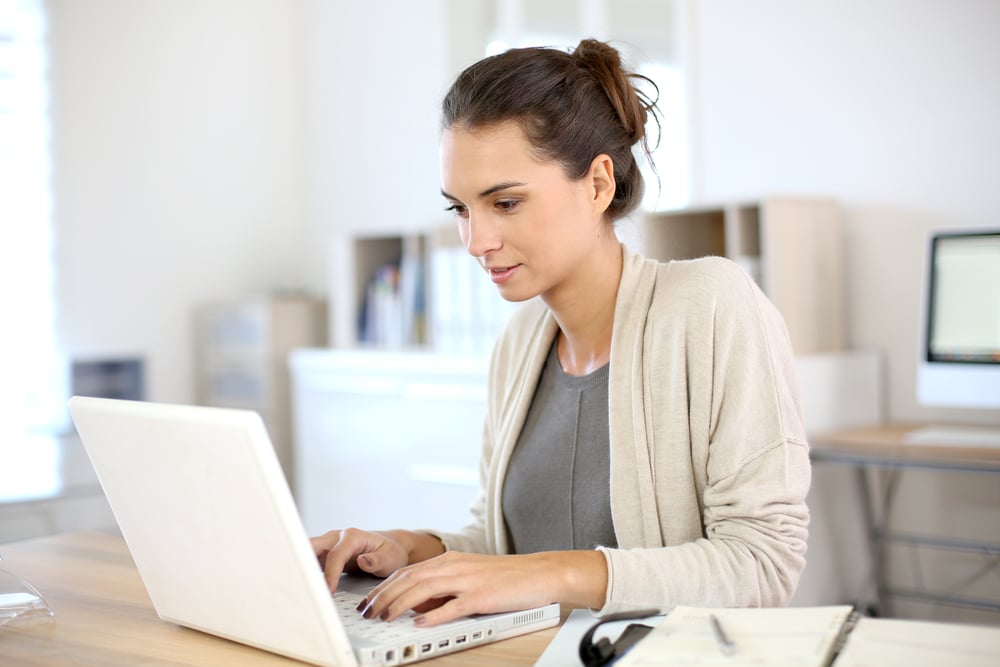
(477, 635)
(461, 639)
(426, 648)
(444, 643)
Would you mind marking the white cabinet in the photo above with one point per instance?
(386, 439)
(243, 348)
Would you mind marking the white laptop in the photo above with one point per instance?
(206, 512)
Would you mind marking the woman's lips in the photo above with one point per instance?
(501, 275)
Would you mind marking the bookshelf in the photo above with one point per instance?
(791, 246)
(418, 290)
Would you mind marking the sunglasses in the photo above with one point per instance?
(605, 652)
(19, 600)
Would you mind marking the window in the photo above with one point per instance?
(32, 379)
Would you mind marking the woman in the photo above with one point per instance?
(643, 444)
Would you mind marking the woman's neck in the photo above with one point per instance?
(585, 312)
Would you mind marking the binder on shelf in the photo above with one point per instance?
(467, 311)
(393, 311)
(425, 290)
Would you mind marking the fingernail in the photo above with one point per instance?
(368, 612)
(385, 615)
(361, 605)
(366, 559)
(419, 620)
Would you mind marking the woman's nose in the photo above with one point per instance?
(481, 236)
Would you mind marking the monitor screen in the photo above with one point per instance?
(964, 323)
(960, 363)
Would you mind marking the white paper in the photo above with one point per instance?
(891, 642)
(776, 637)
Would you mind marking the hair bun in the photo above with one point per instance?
(605, 64)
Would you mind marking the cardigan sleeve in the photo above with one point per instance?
(730, 462)
(752, 556)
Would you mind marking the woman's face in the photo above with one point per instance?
(530, 226)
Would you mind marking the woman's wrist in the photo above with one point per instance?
(581, 577)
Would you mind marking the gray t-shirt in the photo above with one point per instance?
(556, 494)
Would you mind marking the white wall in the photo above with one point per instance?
(178, 146)
(890, 106)
(214, 148)
(375, 74)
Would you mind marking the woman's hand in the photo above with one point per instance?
(377, 553)
(457, 584)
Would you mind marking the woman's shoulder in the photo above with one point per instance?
(708, 268)
(707, 280)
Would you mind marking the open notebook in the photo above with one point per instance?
(810, 637)
(796, 637)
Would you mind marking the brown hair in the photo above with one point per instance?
(571, 106)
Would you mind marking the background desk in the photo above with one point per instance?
(885, 446)
(104, 617)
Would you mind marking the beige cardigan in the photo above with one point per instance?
(709, 461)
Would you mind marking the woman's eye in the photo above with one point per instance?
(507, 205)
(457, 209)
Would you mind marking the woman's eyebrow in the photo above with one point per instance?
(488, 191)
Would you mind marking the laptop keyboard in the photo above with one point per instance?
(376, 630)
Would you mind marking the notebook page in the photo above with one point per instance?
(776, 637)
(890, 642)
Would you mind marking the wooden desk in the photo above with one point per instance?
(885, 446)
(105, 618)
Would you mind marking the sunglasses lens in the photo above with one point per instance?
(20, 602)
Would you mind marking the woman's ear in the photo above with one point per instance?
(601, 178)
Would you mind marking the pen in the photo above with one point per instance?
(726, 645)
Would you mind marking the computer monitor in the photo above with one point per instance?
(960, 347)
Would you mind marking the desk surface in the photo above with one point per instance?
(886, 444)
(104, 616)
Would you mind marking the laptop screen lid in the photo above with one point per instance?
(200, 499)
